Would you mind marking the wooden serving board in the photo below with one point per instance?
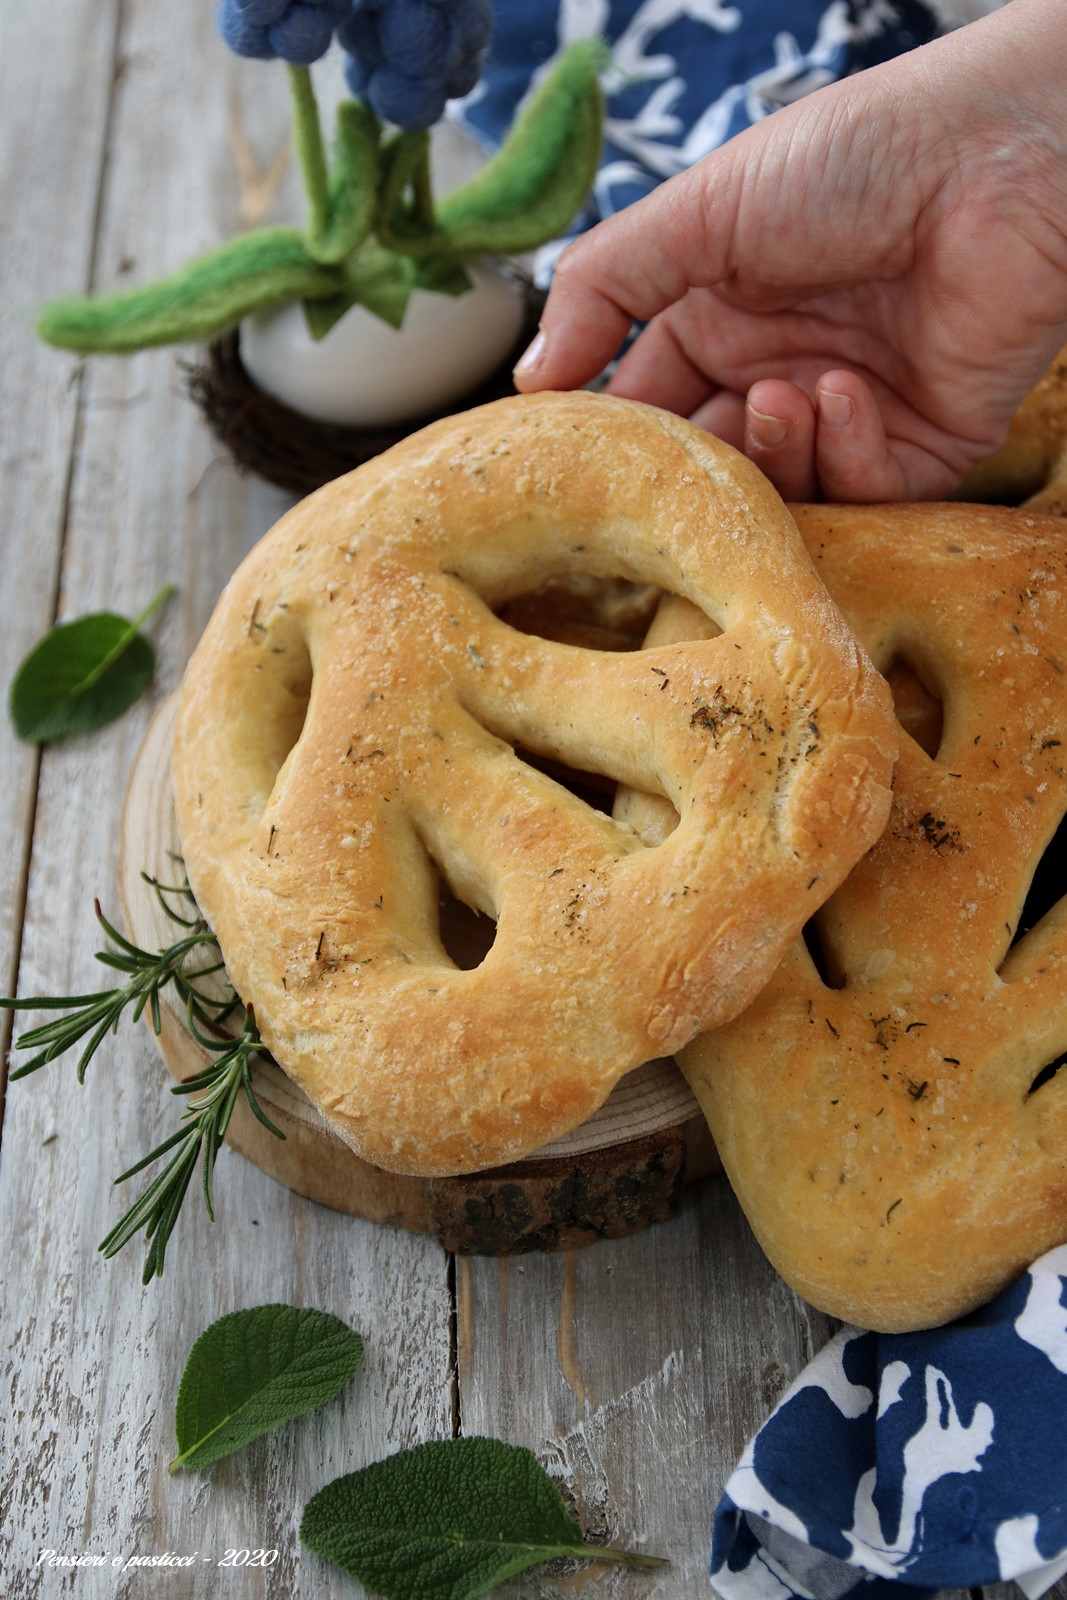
(616, 1174)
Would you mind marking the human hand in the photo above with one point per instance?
(858, 290)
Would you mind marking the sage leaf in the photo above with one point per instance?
(83, 674)
(447, 1520)
(253, 1370)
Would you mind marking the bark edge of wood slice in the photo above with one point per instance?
(617, 1174)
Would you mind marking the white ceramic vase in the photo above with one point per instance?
(366, 374)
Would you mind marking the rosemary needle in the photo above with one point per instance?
(212, 1093)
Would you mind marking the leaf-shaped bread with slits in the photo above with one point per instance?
(352, 727)
(889, 1109)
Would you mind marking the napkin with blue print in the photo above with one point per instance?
(683, 75)
(900, 1464)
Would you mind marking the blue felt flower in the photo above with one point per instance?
(406, 58)
(298, 31)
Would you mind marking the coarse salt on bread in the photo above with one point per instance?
(348, 733)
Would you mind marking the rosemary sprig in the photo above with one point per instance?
(203, 1128)
(97, 1015)
(213, 1091)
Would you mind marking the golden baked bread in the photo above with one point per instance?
(1031, 465)
(888, 1109)
(599, 613)
(349, 728)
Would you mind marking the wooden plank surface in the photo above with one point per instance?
(91, 1359)
(636, 1369)
(49, 181)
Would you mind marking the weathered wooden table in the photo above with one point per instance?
(635, 1369)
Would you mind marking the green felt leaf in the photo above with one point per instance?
(212, 293)
(375, 278)
(321, 315)
(353, 183)
(540, 177)
(383, 284)
(447, 1521)
(253, 1370)
(405, 210)
(82, 674)
(443, 277)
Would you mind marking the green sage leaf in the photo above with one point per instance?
(447, 1521)
(83, 674)
(253, 1370)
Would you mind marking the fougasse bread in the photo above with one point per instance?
(889, 1109)
(1031, 465)
(352, 729)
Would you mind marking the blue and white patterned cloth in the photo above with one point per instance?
(685, 75)
(900, 1464)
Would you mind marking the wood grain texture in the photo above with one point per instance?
(637, 1370)
(47, 224)
(91, 1360)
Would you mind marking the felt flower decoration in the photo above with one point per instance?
(375, 230)
(297, 31)
(406, 58)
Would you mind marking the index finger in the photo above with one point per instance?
(626, 269)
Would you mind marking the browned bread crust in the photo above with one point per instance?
(1031, 465)
(347, 732)
(895, 1133)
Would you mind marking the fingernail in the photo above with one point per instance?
(532, 358)
(836, 410)
(766, 431)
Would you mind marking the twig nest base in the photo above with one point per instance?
(367, 374)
